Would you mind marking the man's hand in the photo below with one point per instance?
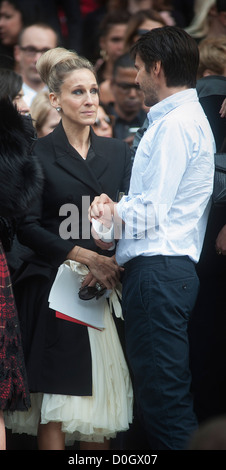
(223, 109)
(102, 209)
(105, 270)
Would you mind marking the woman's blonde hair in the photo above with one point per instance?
(40, 108)
(212, 55)
(56, 63)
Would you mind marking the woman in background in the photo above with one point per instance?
(20, 184)
(14, 16)
(111, 41)
(104, 124)
(11, 86)
(45, 117)
(140, 23)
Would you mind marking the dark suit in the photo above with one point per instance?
(57, 352)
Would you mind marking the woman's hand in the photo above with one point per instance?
(89, 280)
(105, 270)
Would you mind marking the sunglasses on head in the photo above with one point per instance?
(142, 31)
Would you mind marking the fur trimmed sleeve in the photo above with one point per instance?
(20, 172)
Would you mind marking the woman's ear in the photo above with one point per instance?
(54, 100)
(208, 72)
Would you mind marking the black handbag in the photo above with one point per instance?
(219, 186)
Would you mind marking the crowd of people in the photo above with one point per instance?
(111, 111)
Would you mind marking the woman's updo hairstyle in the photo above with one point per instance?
(56, 63)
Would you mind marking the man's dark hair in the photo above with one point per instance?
(124, 61)
(221, 5)
(177, 51)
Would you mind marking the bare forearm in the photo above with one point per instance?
(82, 255)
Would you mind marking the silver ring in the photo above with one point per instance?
(219, 252)
(98, 286)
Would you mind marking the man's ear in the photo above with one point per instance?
(157, 67)
(17, 53)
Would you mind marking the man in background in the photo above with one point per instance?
(128, 99)
(34, 40)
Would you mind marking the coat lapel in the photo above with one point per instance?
(87, 171)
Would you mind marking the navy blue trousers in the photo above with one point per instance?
(159, 294)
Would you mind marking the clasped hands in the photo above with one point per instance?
(102, 209)
(103, 268)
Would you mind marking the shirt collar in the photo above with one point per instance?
(162, 108)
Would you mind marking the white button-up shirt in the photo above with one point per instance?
(30, 93)
(167, 207)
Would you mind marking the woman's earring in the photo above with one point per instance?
(58, 109)
(104, 55)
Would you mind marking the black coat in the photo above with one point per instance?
(57, 352)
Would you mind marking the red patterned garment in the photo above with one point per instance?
(14, 394)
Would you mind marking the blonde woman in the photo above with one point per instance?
(212, 53)
(45, 117)
(78, 378)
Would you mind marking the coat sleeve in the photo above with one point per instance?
(44, 243)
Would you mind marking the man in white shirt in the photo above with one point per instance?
(164, 219)
(34, 40)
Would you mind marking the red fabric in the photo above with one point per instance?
(63, 22)
(14, 394)
(87, 6)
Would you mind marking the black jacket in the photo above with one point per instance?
(57, 352)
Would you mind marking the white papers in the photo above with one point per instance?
(64, 298)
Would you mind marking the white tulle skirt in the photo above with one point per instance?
(93, 418)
